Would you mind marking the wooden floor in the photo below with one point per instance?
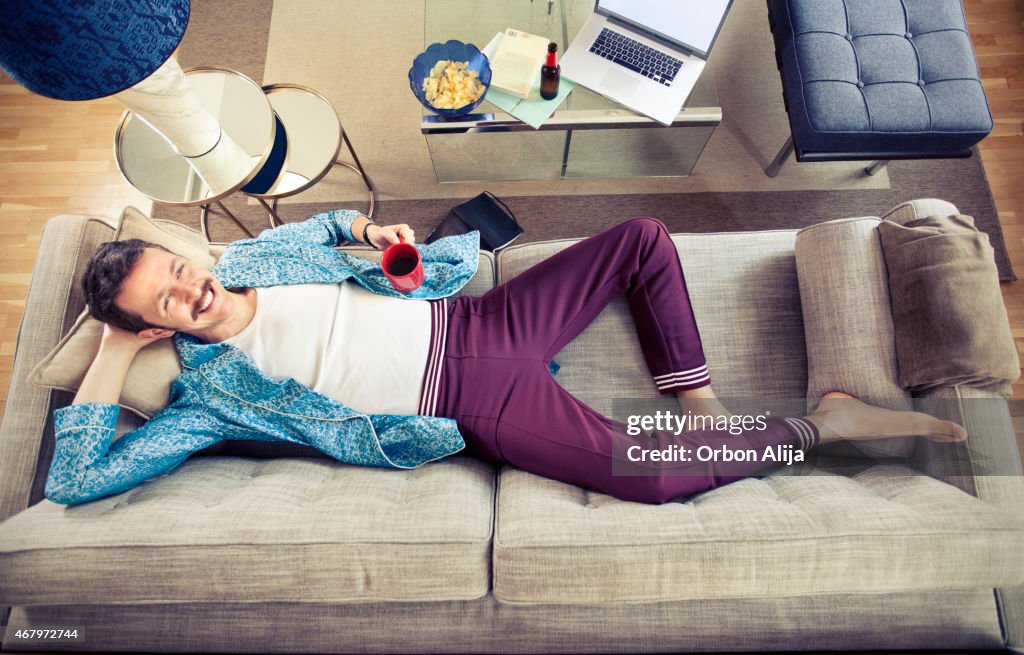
(57, 157)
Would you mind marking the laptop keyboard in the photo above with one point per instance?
(636, 56)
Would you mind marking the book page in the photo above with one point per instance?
(517, 61)
(514, 66)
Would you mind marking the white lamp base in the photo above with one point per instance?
(166, 101)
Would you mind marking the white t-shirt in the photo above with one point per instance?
(365, 350)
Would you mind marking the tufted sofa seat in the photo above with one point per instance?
(885, 79)
(295, 529)
(703, 549)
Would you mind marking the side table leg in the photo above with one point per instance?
(204, 220)
(203, 212)
(275, 220)
(565, 154)
(362, 173)
(780, 159)
(877, 166)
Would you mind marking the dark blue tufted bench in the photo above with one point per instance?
(877, 80)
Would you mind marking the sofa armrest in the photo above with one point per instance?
(848, 328)
(920, 208)
(51, 307)
(987, 465)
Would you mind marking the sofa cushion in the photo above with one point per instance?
(883, 529)
(735, 281)
(879, 76)
(237, 529)
(948, 313)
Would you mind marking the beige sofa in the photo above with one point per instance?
(259, 548)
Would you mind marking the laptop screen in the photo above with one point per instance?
(690, 24)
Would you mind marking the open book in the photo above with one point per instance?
(517, 61)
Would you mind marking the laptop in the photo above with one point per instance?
(645, 54)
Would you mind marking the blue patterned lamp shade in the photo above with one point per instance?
(86, 49)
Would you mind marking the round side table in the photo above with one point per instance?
(152, 165)
(307, 148)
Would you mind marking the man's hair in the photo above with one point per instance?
(105, 275)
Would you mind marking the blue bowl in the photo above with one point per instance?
(452, 51)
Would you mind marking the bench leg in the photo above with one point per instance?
(877, 166)
(780, 159)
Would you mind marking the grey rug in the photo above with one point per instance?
(705, 202)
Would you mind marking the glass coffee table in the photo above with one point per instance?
(588, 136)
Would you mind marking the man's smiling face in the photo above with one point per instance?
(175, 293)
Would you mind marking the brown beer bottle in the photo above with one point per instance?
(550, 73)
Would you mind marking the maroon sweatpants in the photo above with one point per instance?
(496, 384)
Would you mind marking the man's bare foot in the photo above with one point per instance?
(703, 402)
(841, 416)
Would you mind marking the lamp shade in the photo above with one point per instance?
(86, 49)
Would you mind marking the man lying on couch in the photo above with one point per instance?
(287, 338)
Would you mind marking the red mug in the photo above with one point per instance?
(403, 266)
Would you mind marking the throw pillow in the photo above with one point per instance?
(950, 323)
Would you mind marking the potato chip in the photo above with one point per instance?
(452, 85)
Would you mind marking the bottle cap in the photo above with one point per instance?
(552, 59)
